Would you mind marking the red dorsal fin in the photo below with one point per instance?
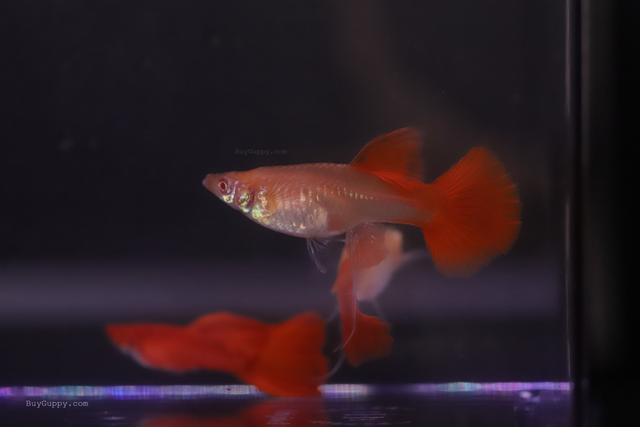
(397, 152)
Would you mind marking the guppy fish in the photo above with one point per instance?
(366, 337)
(468, 216)
(282, 360)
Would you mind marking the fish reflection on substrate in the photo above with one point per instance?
(468, 216)
(300, 413)
(281, 360)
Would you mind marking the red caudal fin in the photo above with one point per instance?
(282, 360)
(478, 218)
(370, 339)
(291, 363)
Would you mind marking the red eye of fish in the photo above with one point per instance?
(224, 186)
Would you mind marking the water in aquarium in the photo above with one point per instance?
(287, 213)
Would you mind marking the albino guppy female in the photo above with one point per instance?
(468, 216)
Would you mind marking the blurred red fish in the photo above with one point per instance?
(468, 216)
(365, 337)
(281, 360)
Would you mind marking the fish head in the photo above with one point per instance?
(232, 189)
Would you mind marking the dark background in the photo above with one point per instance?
(611, 233)
(112, 113)
(115, 110)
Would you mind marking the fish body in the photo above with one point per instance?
(315, 200)
(468, 216)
